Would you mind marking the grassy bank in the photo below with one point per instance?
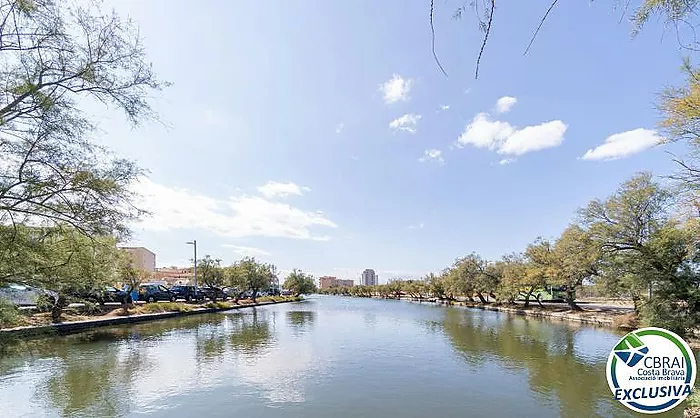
(13, 319)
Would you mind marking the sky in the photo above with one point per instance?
(323, 136)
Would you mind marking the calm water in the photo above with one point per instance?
(325, 357)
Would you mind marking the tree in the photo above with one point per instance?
(210, 274)
(129, 276)
(236, 280)
(257, 275)
(623, 227)
(576, 257)
(56, 55)
(514, 271)
(59, 259)
(300, 283)
(538, 269)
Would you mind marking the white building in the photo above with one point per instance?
(369, 278)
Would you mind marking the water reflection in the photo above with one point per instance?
(545, 351)
(315, 359)
(301, 321)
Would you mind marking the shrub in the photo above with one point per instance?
(218, 305)
(165, 307)
(9, 314)
(665, 314)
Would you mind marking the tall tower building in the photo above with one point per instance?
(369, 278)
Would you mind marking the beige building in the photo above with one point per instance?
(326, 282)
(175, 275)
(142, 258)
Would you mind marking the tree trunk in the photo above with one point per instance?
(255, 295)
(570, 301)
(481, 298)
(57, 308)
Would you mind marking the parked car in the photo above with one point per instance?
(187, 292)
(286, 292)
(211, 292)
(233, 292)
(101, 296)
(22, 295)
(151, 292)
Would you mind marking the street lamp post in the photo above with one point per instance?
(194, 243)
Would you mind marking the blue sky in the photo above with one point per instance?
(291, 93)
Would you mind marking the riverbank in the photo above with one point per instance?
(137, 314)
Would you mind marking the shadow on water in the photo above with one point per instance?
(545, 352)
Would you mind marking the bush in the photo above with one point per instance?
(218, 305)
(44, 303)
(9, 314)
(165, 307)
(667, 314)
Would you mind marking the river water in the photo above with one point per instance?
(324, 357)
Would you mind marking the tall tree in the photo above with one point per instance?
(624, 227)
(257, 275)
(56, 55)
(576, 258)
(300, 283)
(211, 274)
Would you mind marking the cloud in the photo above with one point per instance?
(624, 144)
(406, 123)
(444, 107)
(506, 161)
(419, 226)
(275, 189)
(234, 217)
(396, 89)
(247, 251)
(432, 155)
(505, 103)
(504, 138)
(339, 128)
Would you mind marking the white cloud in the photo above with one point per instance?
(235, 217)
(534, 138)
(444, 107)
(396, 89)
(432, 155)
(419, 226)
(406, 123)
(339, 128)
(506, 161)
(274, 189)
(505, 103)
(624, 144)
(504, 138)
(247, 251)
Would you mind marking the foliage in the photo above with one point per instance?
(164, 307)
(255, 275)
(300, 283)
(56, 55)
(9, 315)
(209, 272)
(218, 305)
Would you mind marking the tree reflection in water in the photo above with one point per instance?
(543, 351)
(301, 321)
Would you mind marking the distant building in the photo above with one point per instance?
(326, 282)
(369, 278)
(174, 275)
(142, 258)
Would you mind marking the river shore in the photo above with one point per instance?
(116, 316)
